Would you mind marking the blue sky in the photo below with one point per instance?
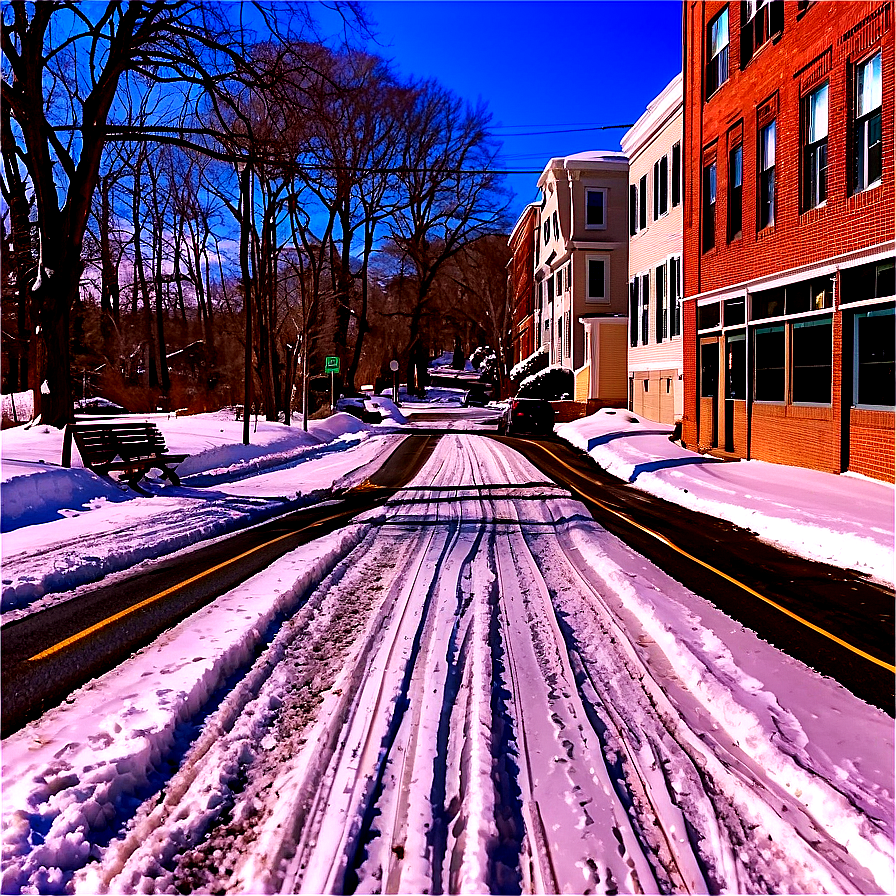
(540, 66)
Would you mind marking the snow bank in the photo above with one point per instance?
(843, 520)
(71, 779)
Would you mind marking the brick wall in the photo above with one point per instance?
(814, 48)
(872, 447)
(820, 43)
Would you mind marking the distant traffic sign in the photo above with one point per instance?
(331, 365)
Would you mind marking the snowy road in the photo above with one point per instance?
(487, 692)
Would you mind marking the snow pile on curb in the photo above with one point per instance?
(71, 781)
(821, 516)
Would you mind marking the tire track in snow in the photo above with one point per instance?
(499, 714)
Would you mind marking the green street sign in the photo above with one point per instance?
(331, 365)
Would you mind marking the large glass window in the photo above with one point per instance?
(815, 147)
(868, 145)
(717, 41)
(735, 192)
(812, 351)
(874, 374)
(632, 210)
(769, 350)
(595, 209)
(767, 175)
(709, 206)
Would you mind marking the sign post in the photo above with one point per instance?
(331, 366)
(393, 366)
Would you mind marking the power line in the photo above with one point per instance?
(604, 127)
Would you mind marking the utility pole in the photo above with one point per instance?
(245, 169)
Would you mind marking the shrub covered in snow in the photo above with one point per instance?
(552, 384)
(538, 360)
(480, 356)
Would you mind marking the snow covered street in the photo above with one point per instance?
(473, 689)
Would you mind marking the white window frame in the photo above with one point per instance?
(603, 224)
(862, 121)
(673, 283)
(589, 299)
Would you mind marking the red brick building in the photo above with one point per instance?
(521, 282)
(788, 310)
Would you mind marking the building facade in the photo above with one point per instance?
(653, 146)
(788, 308)
(521, 282)
(581, 274)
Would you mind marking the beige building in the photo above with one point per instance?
(653, 146)
(581, 272)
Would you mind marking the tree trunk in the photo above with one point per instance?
(52, 295)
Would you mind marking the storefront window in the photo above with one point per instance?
(812, 352)
(770, 353)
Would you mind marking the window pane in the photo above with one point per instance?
(709, 370)
(736, 368)
(818, 114)
(875, 155)
(812, 362)
(735, 312)
(720, 33)
(595, 278)
(769, 354)
(737, 166)
(767, 147)
(708, 316)
(594, 208)
(875, 342)
(676, 174)
(868, 86)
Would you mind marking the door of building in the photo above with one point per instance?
(709, 392)
(735, 381)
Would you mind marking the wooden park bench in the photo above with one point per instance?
(121, 446)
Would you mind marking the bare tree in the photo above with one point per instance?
(64, 64)
(449, 194)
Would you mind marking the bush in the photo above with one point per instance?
(538, 360)
(551, 384)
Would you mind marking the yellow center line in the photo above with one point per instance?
(145, 603)
(718, 572)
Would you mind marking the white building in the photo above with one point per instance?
(581, 271)
(653, 146)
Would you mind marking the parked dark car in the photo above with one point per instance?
(533, 415)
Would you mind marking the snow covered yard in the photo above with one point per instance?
(63, 527)
(469, 690)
